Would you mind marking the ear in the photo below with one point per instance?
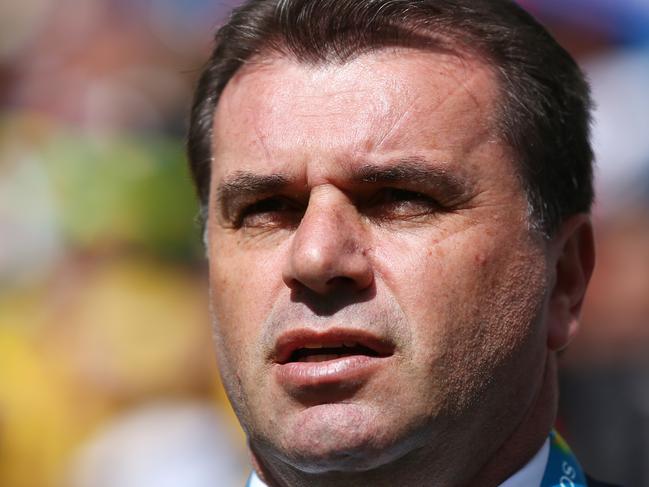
(572, 254)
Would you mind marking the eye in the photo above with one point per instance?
(269, 212)
(397, 203)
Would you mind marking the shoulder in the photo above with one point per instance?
(596, 483)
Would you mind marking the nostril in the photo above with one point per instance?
(341, 281)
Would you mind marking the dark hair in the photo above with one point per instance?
(545, 101)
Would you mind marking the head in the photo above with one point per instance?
(396, 198)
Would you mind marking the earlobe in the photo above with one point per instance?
(572, 254)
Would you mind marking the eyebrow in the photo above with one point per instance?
(414, 171)
(244, 185)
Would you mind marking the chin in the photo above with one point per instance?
(338, 456)
(338, 438)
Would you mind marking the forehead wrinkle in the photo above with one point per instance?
(394, 126)
(484, 98)
(462, 86)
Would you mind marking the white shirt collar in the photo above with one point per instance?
(255, 481)
(530, 475)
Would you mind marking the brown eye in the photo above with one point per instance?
(397, 203)
(270, 212)
(391, 195)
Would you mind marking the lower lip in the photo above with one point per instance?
(350, 370)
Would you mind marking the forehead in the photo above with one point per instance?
(279, 110)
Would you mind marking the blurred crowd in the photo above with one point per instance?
(106, 367)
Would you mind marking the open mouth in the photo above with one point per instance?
(323, 366)
(322, 353)
(304, 346)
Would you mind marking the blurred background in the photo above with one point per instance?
(107, 376)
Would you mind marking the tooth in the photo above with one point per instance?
(313, 345)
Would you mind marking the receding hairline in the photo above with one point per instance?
(449, 41)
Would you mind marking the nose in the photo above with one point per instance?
(329, 251)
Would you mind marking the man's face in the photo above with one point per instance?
(373, 278)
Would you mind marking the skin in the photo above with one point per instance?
(441, 263)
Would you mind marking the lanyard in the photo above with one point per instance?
(563, 469)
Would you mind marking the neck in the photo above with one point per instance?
(527, 437)
(470, 459)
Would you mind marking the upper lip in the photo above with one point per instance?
(293, 340)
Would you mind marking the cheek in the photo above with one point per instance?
(244, 287)
(469, 299)
(433, 279)
(242, 295)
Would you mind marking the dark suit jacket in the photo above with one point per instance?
(596, 483)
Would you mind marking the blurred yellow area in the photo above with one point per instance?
(104, 321)
(102, 335)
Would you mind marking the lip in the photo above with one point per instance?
(345, 372)
(289, 342)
